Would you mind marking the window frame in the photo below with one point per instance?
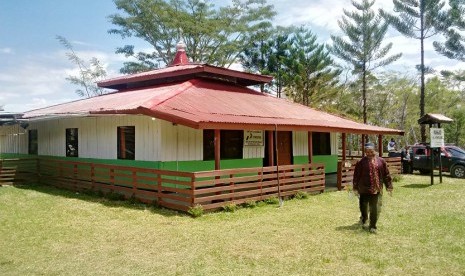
(319, 148)
(126, 142)
(72, 139)
(228, 151)
(30, 142)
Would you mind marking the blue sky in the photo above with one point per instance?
(33, 64)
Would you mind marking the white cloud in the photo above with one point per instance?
(6, 51)
(39, 80)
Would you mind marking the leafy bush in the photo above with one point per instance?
(250, 204)
(134, 200)
(196, 211)
(272, 200)
(301, 195)
(115, 196)
(230, 207)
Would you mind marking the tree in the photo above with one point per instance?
(214, 36)
(442, 99)
(364, 51)
(268, 55)
(454, 47)
(300, 66)
(89, 73)
(455, 131)
(311, 76)
(418, 19)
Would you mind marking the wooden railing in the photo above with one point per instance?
(18, 171)
(345, 169)
(214, 189)
(171, 189)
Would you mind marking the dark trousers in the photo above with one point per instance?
(374, 202)
(406, 167)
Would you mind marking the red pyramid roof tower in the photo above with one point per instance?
(181, 56)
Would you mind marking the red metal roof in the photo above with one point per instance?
(206, 104)
(184, 72)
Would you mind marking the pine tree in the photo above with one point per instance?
(418, 19)
(311, 75)
(454, 47)
(363, 50)
(268, 55)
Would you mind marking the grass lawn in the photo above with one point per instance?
(45, 231)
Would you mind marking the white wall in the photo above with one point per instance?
(13, 139)
(156, 140)
(180, 143)
(97, 136)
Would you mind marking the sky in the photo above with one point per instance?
(34, 66)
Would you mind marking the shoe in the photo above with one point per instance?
(373, 230)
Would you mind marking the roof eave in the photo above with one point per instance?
(239, 77)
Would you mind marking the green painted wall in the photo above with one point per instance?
(15, 155)
(187, 166)
(195, 166)
(330, 161)
(129, 163)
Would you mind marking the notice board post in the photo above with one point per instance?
(436, 138)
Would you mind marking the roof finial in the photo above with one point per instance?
(181, 46)
(181, 56)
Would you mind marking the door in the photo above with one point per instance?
(420, 159)
(284, 148)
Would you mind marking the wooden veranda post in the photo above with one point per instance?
(310, 147)
(363, 144)
(270, 148)
(217, 142)
(380, 145)
(344, 146)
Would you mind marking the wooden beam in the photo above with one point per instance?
(217, 142)
(344, 146)
(310, 147)
(363, 144)
(380, 145)
(270, 148)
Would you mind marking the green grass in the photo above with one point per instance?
(45, 231)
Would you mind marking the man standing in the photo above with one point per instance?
(371, 172)
(392, 147)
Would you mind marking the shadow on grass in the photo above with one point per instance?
(354, 227)
(417, 186)
(94, 198)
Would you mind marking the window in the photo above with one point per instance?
(126, 142)
(231, 144)
(71, 142)
(208, 144)
(33, 142)
(321, 143)
(420, 151)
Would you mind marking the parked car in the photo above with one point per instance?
(452, 158)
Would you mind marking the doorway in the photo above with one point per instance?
(284, 149)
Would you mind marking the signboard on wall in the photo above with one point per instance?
(253, 138)
(437, 137)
